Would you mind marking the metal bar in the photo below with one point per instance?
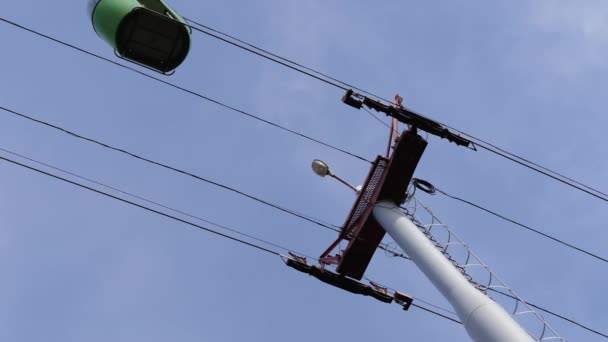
(344, 182)
(390, 140)
(331, 248)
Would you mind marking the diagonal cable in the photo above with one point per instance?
(175, 218)
(171, 168)
(521, 225)
(308, 218)
(345, 86)
(191, 92)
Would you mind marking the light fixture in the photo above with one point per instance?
(321, 169)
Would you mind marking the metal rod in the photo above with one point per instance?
(483, 318)
(390, 140)
(394, 135)
(344, 182)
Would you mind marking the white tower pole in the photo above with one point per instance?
(484, 319)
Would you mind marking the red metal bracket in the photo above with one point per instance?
(407, 117)
(373, 290)
(388, 180)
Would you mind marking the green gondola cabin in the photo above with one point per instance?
(147, 32)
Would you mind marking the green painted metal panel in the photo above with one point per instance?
(107, 16)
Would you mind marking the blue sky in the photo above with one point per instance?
(529, 77)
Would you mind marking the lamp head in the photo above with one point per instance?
(320, 168)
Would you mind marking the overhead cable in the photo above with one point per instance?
(544, 171)
(266, 55)
(437, 313)
(154, 211)
(160, 213)
(553, 313)
(149, 201)
(478, 142)
(172, 168)
(191, 92)
(345, 86)
(276, 58)
(294, 213)
(377, 118)
(431, 189)
(417, 299)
